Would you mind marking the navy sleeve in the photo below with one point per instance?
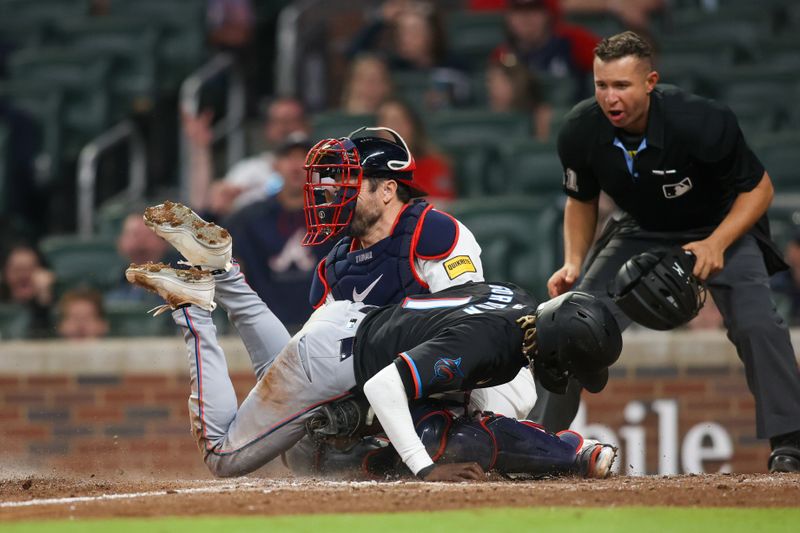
(438, 235)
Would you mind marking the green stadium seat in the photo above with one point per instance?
(83, 78)
(338, 124)
(531, 167)
(43, 103)
(111, 216)
(778, 152)
(473, 35)
(14, 322)
(557, 91)
(476, 126)
(128, 319)
(601, 24)
(518, 235)
(724, 25)
(182, 44)
(475, 167)
(130, 45)
(412, 87)
(24, 22)
(43, 9)
(78, 261)
(784, 218)
(4, 158)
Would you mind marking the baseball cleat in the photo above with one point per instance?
(595, 459)
(203, 244)
(177, 287)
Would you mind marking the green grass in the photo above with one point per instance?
(563, 520)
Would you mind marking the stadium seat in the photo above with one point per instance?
(338, 124)
(23, 22)
(78, 261)
(14, 322)
(601, 24)
(182, 44)
(412, 87)
(519, 236)
(43, 103)
(724, 25)
(82, 76)
(531, 167)
(476, 168)
(129, 44)
(130, 319)
(557, 91)
(784, 218)
(4, 158)
(779, 155)
(473, 35)
(477, 126)
(111, 216)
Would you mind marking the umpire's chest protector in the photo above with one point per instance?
(383, 273)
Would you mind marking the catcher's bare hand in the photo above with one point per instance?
(456, 472)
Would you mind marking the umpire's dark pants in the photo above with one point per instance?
(742, 294)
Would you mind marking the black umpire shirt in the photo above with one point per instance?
(461, 338)
(681, 176)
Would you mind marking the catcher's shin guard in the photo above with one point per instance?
(498, 443)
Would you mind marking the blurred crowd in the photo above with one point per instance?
(540, 66)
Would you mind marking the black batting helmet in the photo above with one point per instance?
(576, 335)
(657, 289)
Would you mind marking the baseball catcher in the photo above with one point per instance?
(471, 336)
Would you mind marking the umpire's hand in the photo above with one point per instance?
(563, 279)
(456, 472)
(709, 257)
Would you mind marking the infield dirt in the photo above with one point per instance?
(58, 497)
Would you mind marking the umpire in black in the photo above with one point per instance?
(680, 170)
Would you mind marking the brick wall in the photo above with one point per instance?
(674, 404)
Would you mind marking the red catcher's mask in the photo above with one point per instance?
(335, 169)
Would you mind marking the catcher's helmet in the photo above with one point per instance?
(576, 335)
(335, 169)
(657, 289)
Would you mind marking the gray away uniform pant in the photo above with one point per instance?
(294, 376)
(742, 294)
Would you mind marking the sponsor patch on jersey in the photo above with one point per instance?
(460, 264)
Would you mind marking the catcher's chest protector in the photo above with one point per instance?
(381, 274)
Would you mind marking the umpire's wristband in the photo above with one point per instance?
(422, 474)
